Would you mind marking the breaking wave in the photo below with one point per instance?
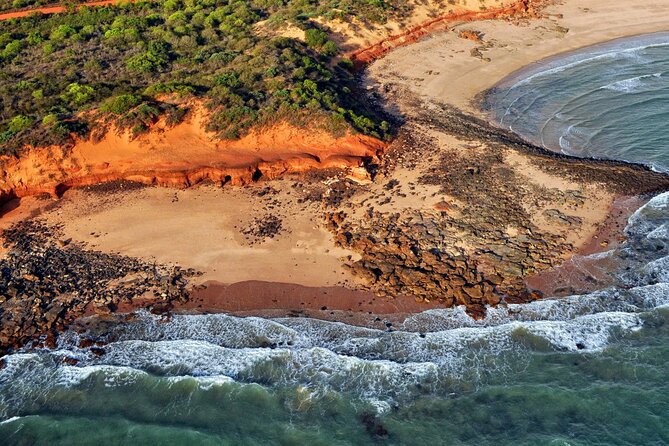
(434, 352)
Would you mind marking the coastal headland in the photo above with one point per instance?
(451, 211)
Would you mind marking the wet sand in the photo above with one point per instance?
(590, 268)
(268, 299)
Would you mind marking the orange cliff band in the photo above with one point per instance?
(182, 156)
(56, 9)
(364, 56)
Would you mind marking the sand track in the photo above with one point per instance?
(55, 9)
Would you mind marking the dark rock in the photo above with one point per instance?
(70, 361)
(374, 427)
(97, 351)
(45, 284)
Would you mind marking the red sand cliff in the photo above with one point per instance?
(186, 154)
(181, 156)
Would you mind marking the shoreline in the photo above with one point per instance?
(507, 48)
(379, 236)
(545, 62)
(272, 300)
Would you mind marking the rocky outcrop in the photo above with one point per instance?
(489, 227)
(418, 255)
(46, 282)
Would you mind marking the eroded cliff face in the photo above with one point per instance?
(182, 155)
(186, 154)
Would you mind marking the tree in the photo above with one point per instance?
(62, 32)
(19, 123)
(155, 58)
(12, 49)
(330, 48)
(315, 37)
(121, 104)
(77, 94)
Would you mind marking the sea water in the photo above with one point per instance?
(579, 370)
(610, 101)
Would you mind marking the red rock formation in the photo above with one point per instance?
(182, 156)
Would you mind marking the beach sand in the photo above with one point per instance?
(339, 246)
(211, 229)
(441, 67)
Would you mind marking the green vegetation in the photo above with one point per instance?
(133, 63)
(10, 5)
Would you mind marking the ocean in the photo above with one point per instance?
(580, 370)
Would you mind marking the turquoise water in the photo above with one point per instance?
(580, 370)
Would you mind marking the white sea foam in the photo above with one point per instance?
(352, 349)
(203, 382)
(218, 329)
(649, 217)
(657, 270)
(592, 332)
(380, 407)
(562, 309)
(661, 232)
(11, 420)
(580, 60)
(630, 85)
(652, 296)
(572, 137)
(185, 357)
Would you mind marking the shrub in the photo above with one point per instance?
(120, 105)
(50, 120)
(62, 32)
(34, 38)
(315, 37)
(19, 123)
(330, 48)
(77, 94)
(12, 49)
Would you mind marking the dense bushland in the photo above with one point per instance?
(131, 64)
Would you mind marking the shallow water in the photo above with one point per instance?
(611, 101)
(581, 370)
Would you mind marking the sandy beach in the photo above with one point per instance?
(335, 223)
(212, 229)
(449, 73)
(454, 212)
